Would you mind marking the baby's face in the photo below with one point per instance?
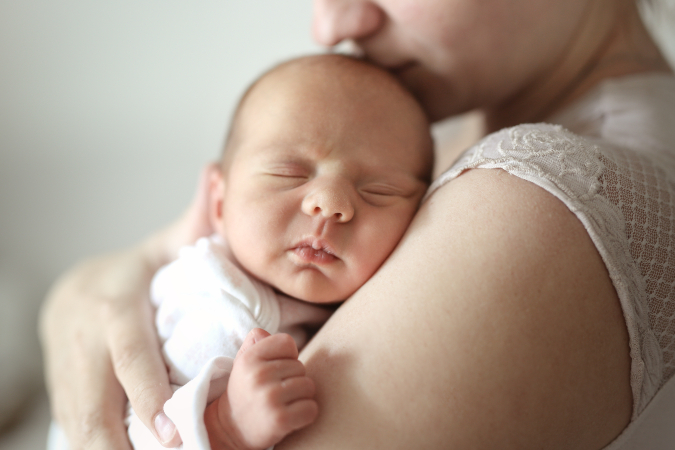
(324, 180)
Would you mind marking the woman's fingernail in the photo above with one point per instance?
(164, 427)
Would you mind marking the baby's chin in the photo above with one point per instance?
(325, 295)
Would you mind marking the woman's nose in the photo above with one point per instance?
(330, 201)
(336, 20)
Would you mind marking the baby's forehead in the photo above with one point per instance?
(332, 87)
(347, 75)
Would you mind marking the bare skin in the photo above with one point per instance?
(493, 348)
(535, 354)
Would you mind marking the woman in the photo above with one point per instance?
(528, 304)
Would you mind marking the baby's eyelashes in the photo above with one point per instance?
(380, 195)
(289, 171)
(286, 176)
(381, 190)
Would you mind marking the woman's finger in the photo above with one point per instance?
(102, 407)
(87, 401)
(128, 316)
(138, 365)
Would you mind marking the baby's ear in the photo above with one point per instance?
(216, 198)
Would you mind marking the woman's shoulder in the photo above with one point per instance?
(496, 298)
(625, 199)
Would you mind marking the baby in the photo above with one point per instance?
(325, 165)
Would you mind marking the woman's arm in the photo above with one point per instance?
(494, 324)
(97, 328)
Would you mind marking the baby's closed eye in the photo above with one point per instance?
(286, 176)
(289, 170)
(381, 194)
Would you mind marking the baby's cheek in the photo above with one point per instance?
(372, 252)
(248, 228)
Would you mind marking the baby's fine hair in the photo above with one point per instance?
(347, 65)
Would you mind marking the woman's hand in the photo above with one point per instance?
(99, 340)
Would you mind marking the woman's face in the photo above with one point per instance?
(456, 55)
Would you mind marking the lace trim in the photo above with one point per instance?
(587, 179)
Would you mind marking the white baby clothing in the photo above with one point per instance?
(610, 158)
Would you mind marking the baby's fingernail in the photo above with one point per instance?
(165, 427)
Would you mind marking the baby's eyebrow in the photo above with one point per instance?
(281, 149)
(277, 153)
(284, 159)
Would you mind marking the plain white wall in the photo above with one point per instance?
(107, 112)
(109, 109)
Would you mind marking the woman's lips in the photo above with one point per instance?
(398, 70)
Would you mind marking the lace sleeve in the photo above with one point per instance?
(625, 202)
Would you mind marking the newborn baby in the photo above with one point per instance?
(324, 167)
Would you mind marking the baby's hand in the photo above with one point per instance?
(268, 395)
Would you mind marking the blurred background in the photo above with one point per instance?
(108, 110)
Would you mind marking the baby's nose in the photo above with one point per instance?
(331, 201)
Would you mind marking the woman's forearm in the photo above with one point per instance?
(96, 328)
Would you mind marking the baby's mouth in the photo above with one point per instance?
(314, 251)
(314, 256)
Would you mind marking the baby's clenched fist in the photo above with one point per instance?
(268, 395)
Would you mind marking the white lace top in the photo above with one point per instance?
(611, 160)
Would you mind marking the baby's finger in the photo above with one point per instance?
(282, 369)
(277, 346)
(253, 336)
(138, 364)
(301, 413)
(296, 388)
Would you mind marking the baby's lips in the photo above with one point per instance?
(314, 256)
(318, 244)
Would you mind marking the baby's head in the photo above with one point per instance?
(327, 160)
